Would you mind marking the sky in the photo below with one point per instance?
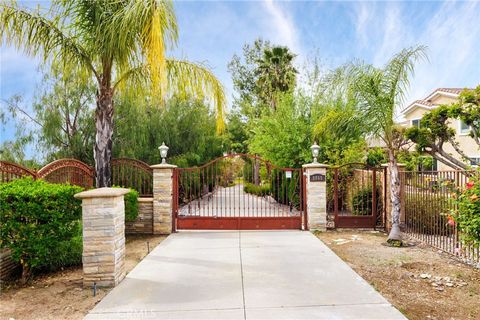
(336, 32)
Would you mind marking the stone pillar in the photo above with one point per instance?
(316, 191)
(162, 198)
(388, 204)
(103, 218)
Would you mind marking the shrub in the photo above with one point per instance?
(363, 199)
(426, 213)
(467, 215)
(286, 191)
(260, 190)
(131, 204)
(41, 224)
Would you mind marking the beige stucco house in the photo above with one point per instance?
(414, 112)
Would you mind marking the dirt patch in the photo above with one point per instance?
(420, 281)
(61, 295)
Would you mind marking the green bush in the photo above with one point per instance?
(131, 204)
(467, 214)
(362, 202)
(260, 190)
(286, 191)
(427, 213)
(41, 224)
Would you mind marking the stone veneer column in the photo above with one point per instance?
(103, 218)
(316, 197)
(162, 198)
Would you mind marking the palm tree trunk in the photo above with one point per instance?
(103, 138)
(256, 173)
(395, 233)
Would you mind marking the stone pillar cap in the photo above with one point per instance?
(315, 165)
(398, 164)
(102, 193)
(163, 166)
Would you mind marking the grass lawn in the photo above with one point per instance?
(61, 295)
(420, 281)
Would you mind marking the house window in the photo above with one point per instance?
(475, 161)
(416, 123)
(464, 128)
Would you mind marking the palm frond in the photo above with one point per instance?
(398, 70)
(40, 37)
(184, 79)
(192, 79)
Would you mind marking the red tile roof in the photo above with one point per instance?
(450, 90)
(428, 103)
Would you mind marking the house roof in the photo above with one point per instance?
(427, 104)
(418, 103)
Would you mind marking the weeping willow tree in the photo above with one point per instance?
(380, 93)
(122, 44)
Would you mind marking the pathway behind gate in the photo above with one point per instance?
(243, 275)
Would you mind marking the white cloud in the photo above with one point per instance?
(364, 13)
(450, 31)
(281, 26)
(395, 34)
(453, 48)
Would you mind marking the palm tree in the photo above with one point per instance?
(380, 93)
(276, 73)
(121, 44)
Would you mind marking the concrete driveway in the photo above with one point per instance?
(243, 275)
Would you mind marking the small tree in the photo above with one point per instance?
(435, 131)
(380, 93)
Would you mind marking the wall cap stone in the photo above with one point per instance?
(102, 193)
(400, 165)
(315, 165)
(145, 199)
(163, 166)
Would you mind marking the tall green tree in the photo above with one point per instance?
(380, 93)
(120, 43)
(187, 126)
(283, 136)
(276, 74)
(60, 120)
(339, 126)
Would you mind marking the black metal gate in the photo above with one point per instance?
(239, 192)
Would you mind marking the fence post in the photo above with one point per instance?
(316, 193)
(103, 219)
(162, 198)
(388, 205)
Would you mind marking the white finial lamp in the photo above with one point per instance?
(315, 150)
(163, 152)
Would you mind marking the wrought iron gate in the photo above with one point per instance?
(356, 196)
(238, 192)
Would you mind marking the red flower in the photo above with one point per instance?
(451, 221)
(470, 185)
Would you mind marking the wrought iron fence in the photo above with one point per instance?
(132, 173)
(128, 173)
(428, 197)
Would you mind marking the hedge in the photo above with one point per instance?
(260, 190)
(41, 224)
(131, 204)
